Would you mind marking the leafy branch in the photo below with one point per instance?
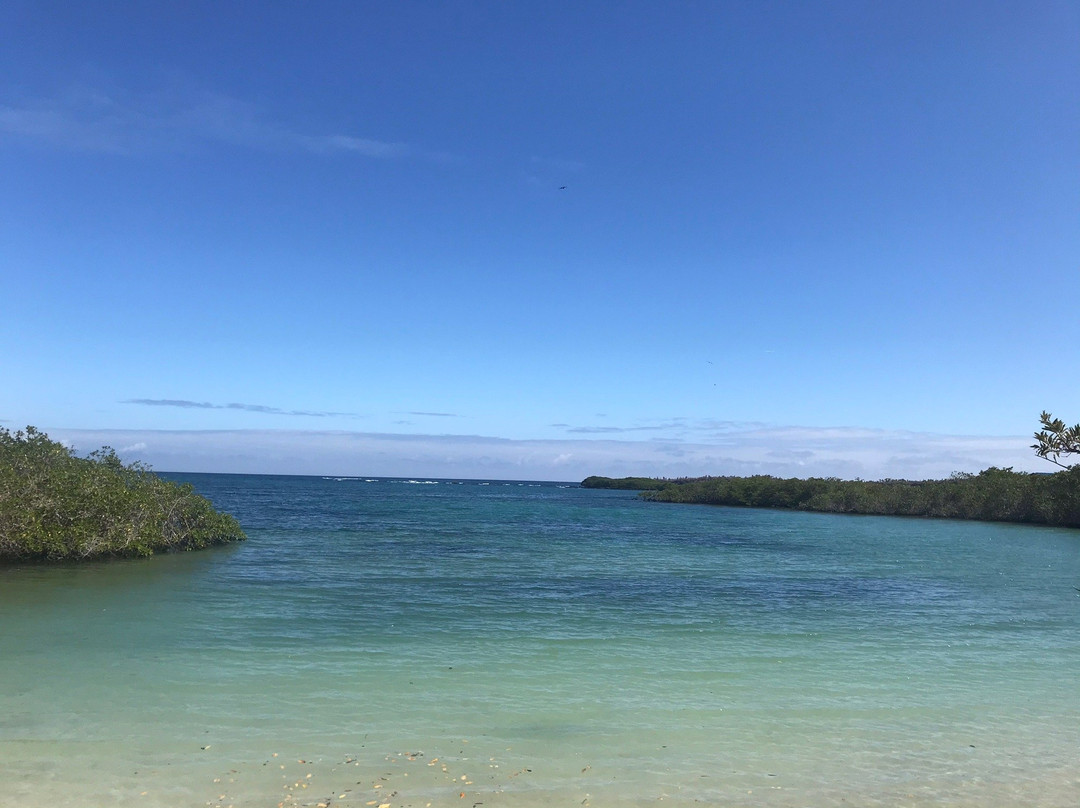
(1056, 439)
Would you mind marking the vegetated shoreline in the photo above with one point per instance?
(992, 495)
(55, 506)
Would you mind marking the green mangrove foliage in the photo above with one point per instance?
(627, 483)
(996, 495)
(56, 506)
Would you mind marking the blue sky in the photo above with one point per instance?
(790, 234)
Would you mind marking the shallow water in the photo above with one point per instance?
(550, 645)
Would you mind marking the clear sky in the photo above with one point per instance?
(677, 237)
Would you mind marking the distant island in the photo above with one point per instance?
(55, 506)
(992, 495)
(625, 483)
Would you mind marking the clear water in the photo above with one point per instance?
(410, 644)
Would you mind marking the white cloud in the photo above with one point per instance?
(120, 123)
(368, 148)
(783, 451)
(187, 404)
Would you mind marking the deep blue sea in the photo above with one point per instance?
(461, 643)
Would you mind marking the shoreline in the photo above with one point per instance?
(993, 495)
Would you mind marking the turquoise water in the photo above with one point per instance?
(411, 643)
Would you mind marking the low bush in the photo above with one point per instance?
(57, 506)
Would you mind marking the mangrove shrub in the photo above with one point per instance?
(57, 506)
(995, 495)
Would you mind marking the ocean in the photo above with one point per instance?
(425, 643)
